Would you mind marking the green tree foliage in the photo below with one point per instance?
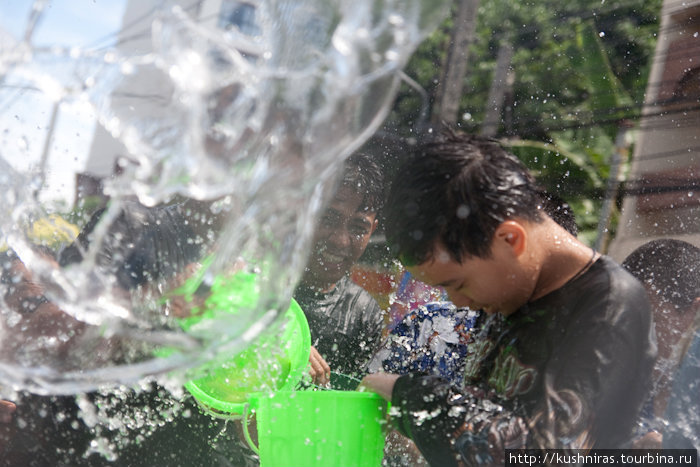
(548, 89)
(578, 68)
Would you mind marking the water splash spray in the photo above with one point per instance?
(259, 122)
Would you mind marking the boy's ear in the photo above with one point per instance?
(375, 224)
(513, 234)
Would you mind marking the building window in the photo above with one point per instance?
(240, 15)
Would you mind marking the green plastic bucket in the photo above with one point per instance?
(274, 361)
(319, 428)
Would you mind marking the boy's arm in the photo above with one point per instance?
(423, 410)
(591, 389)
(449, 425)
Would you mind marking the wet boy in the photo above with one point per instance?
(561, 357)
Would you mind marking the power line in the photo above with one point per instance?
(576, 16)
(136, 21)
(623, 113)
(594, 118)
(646, 187)
(587, 14)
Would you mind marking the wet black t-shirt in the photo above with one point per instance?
(346, 325)
(569, 370)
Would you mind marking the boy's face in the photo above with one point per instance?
(340, 239)
(488, 284)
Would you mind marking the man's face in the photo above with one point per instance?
(488, 284)
(341, 237)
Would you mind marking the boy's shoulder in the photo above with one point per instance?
(619, 281)
(604, 277)
(606, 291)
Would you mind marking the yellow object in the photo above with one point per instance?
(52, 231)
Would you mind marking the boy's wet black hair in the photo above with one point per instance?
(669, 268)
(457, 189)
(362, 173)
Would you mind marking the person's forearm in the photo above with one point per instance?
(422, 410)
(381, 383)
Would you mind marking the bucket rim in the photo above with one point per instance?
(254, 398)
(226, 409)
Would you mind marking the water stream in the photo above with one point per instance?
(239, 129)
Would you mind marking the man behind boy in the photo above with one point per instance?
(345, 321)
(561, 356)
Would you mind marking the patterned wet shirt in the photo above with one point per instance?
(431, 339)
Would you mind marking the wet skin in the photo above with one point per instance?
(340, 239)
(500, 283)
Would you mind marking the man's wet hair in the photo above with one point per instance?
(457, 189)
(364, 175)
(669, 269)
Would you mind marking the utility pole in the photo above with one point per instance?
(618, 158)
(449, 89)
(501, 81)
(47, 148)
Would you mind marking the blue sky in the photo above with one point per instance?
(65, 22)
(25, 116)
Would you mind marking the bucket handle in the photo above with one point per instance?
(246, 434)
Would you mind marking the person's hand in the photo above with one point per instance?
(320, 371)
(181, 300)
(651, 440)
(40, 320)
(7, 409)
(398, 446)
(381, 383)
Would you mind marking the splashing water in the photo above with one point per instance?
(241, 132)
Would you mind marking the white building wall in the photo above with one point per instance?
(667, 148)
(135, 38)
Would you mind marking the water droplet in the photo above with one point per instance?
(462, 211)
(23, 143)
(127, 68)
